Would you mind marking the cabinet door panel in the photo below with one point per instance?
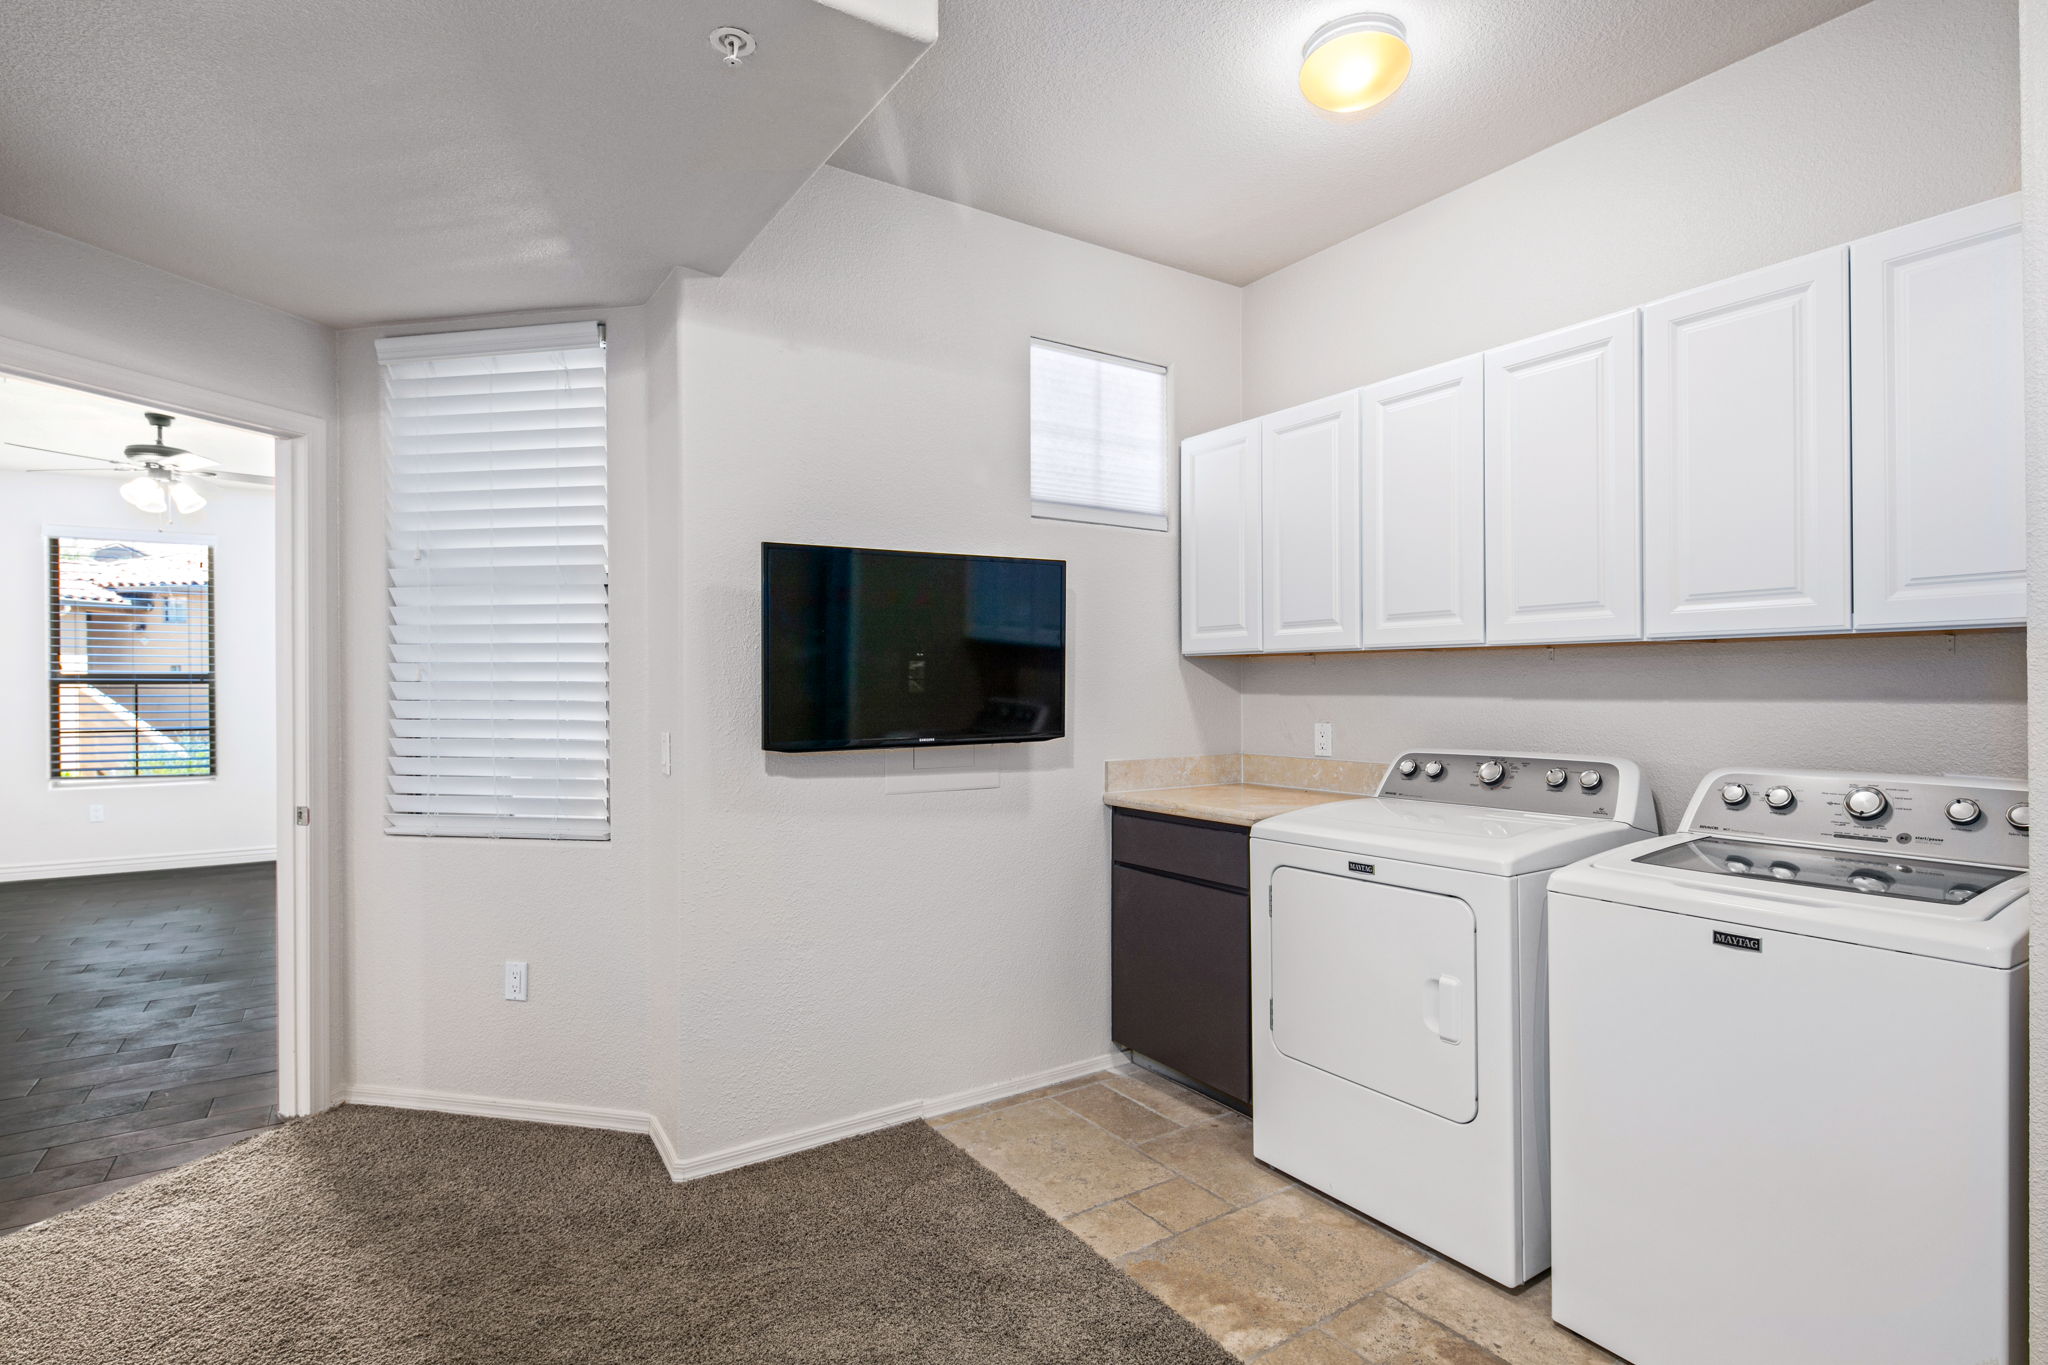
(1311, 526)
(1563, 458)
(1746, 454)
(1423, 451)
(1180, 981)
(1219, 541)
(1939, 444)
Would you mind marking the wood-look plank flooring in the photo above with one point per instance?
(138, 1028)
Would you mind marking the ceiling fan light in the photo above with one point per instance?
(145, 494)
(1355, 62)
(185, 497)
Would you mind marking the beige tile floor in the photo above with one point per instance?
(1162, 1181)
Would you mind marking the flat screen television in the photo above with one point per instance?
(887, 649)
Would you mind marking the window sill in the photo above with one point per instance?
(103, 783)
(1097, 516)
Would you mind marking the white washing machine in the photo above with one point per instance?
(1397, 990)
(1786, 1062)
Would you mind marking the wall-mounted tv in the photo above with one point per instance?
(888, 649)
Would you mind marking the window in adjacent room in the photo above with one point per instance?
(1098, 438)
(499, 644)
(131, 659)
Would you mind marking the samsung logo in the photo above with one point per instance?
(1748, 945)
(1366, 868)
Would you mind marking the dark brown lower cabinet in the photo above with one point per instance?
(1180, 948)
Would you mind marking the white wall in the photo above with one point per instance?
(432, 921)
(231, 817)
(859, 377)
(1893, 112)
(2034, 166)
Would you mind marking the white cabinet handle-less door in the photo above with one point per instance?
(1939, 457)
(1563, 456)
(1746, 454)
(1424, 458)
(1219, 542)
(1310, 454)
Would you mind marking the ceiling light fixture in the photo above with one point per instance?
(1355, 62)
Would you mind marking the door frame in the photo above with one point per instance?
(305, 853)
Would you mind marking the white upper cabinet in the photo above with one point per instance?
(1563, 453)
(1311, 526)
(1746, 454)
(1940, 477)
(1423, 458)
(1219, 541)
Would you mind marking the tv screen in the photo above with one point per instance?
(886, 649)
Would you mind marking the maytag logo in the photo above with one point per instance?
(1366, 868)
(1742, 941)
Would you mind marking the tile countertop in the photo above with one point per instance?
(1233, 803)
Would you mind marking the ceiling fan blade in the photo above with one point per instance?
(231, 476)
(83, 473)
(71, 453)
(188, 463)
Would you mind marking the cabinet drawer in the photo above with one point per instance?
(1180, 977)
(1213, 853)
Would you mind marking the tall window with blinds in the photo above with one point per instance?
(1098, 438)
(498, 583)
(131, 659)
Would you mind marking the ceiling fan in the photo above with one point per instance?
(160, 472)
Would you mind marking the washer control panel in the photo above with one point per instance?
(1591, 787)
(1970, 819)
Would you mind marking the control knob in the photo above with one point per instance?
(1406, 767)
(1492, 771)
(1432, 769)
(1778, 798)
(2018, 817)
(1734, 794)
(1589, 781)
(1963, 810)
(1865, 803)
(1556, 777)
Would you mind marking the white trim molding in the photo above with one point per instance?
(145, 862)
(484, 1106)
(802, 1139)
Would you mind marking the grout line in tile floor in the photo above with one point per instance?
(1498, 1327)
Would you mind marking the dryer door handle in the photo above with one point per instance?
(1446, 1008)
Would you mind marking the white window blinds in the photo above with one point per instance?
(1098, 437)
(498, 582)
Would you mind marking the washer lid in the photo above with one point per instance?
(1816, 893)
(1470, 838)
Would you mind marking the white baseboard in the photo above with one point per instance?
(767, 1149)
(483, 1106)
(150, 862)
(682, 1168)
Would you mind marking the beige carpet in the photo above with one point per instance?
(377, 1235)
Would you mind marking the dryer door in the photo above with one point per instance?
(1375, 984)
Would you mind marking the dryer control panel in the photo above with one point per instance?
(1981, 820)
(1594, 788)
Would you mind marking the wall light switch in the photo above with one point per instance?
(515, 980)
(96, 813)
(1324, 746)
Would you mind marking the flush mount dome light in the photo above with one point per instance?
(1355, 62)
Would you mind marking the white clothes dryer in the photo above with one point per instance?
(1787, 1054)
(1398, 991)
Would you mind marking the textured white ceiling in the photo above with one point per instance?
(58, 418)
(1173, 129)
(380, 160)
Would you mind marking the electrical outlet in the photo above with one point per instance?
(515, 980)
(96, 813)
(1324, 745)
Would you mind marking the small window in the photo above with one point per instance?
(131, 659)
(1098, 438)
